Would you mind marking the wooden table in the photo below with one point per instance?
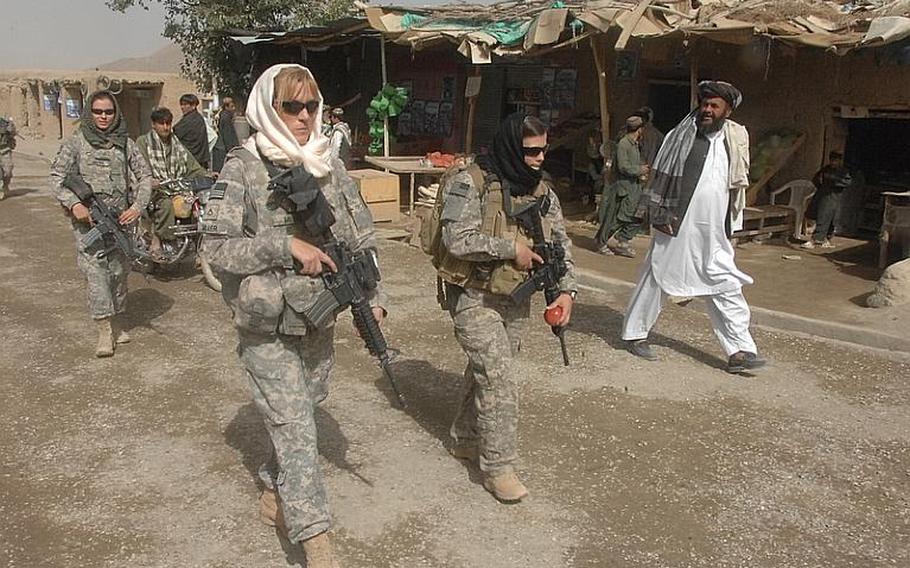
(896, 216)
(405, 165)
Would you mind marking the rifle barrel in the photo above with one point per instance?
(562, 344)
(391, 377)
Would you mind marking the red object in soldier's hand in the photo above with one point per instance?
(553, 315)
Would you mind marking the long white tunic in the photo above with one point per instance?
(699, 260)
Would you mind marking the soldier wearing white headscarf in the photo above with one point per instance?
(269, 265)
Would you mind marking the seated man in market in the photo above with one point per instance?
(169, 160)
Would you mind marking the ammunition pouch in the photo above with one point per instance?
(260, 303)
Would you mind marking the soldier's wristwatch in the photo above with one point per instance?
(572, 293)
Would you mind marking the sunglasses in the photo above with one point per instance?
(294, 107)
(104, 111)
(531, 151)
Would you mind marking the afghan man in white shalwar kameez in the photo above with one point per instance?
(695, 200)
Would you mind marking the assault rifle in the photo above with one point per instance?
(106, 232)
(544, 276)
(358, 272)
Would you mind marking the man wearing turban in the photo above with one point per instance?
(694, 199)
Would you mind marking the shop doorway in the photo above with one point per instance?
(877, 151)
(669, 100)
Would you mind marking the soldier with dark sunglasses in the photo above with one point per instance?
(483, 255)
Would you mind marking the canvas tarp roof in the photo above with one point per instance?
(516, 28)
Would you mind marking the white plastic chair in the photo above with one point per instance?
(801, 191)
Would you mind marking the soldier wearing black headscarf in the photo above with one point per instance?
(485, 256)
(102, 153)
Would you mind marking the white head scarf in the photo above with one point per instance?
(273, 140)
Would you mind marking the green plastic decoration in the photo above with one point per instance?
(388, 103)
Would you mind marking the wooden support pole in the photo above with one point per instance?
(693, 77)
(602, 86)
(385, 80)
(472, 111)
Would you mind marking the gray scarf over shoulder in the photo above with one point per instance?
(667, 194)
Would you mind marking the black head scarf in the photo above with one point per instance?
(726, 91)
(115, 135)
(507, 160)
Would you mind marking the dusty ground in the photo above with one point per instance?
(148, 458)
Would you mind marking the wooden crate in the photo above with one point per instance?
(380, 191)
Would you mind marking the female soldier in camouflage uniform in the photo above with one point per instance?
(486, 255)
(105, 157)
(253, 243)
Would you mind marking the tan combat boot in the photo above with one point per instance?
(506, 487)
(105, 346)
(270, 510)
(120, 334)
(319, 553)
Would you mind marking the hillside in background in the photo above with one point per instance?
(165, 60)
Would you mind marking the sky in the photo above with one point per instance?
(81, 34)
(74, 34)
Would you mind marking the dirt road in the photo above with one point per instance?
(148, 458)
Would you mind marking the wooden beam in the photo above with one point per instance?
(634, 17)
(693, 77)
(602, 86)
(472, 109)
(385, 80)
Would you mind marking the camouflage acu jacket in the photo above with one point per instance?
(247, 239)
(462, 234)
(107, 170)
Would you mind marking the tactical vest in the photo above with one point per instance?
(496, 277)
(280, 299)
(106, 170)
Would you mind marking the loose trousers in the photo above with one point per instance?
(105, 277)
(828, 209)
(288, 377)
(6, 169)
(729, 314)
(489, 329)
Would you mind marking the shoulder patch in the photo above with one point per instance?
(217, 191)
(460, 189)
(455, 200)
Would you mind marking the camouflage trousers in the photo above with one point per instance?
(489, 328)
(6, 168)
(105, 277)
(288, 377)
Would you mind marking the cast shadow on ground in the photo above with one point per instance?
(585, 242)
(182, 270)
(246, 433)
(861, 300)
(606, 323)
(19, 192)
(144, 306)
(293, 552)
(860, 261)
(432, 397)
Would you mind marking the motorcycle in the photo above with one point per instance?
(189, 197)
